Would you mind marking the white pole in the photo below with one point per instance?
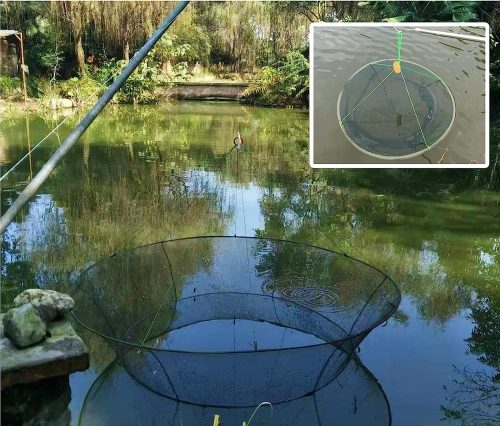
(453, 35)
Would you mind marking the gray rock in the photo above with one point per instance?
(51, 304)
(59, 103)
(65, 103)
(24, 326)
(61, 353)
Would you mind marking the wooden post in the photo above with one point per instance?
(23, 66)
(217, 420)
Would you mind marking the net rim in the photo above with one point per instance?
(397, 157)
(352, 360)
(349, 337)
(270, 296)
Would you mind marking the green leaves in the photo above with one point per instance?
(410, 11)
(285, 84)
(400, 18)
(9, 86)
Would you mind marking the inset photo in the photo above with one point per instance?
(399, 95)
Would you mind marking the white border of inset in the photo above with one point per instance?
(388, 164)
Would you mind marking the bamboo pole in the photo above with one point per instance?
(83, 125)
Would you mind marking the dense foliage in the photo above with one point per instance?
(62, 35)
(287, 83)
(254, 40)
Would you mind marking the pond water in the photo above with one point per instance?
(340, 53)
(204, 336)
(140, 175)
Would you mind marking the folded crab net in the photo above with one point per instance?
(395, 109)
(233, 321)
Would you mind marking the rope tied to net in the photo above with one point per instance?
(399, 44)
(397, 69)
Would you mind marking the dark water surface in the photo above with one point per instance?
(145, 174)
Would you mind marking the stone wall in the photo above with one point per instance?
(207, 91)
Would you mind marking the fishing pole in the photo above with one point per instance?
(84, 124)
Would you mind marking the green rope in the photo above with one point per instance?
(400, 42)
(364, 99)
(424, 74)
(414, 111)
(435, 76)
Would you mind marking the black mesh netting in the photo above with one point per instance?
(354, 399)
(234, 321)
(393, 115)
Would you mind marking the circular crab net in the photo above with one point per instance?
(395, 115)
(233, 321)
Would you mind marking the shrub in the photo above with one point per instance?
(194, 47)
(80, 89)
(9, 86)
(139, 87)
(284, 85)
(105, 71)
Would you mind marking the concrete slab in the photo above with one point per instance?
(60, 354)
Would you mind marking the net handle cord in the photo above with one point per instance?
(414, 111)
(84, 124)
(399, 43)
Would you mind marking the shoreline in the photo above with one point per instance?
(34, 106)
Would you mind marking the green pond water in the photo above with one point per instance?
(145, 174)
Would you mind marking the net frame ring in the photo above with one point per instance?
(397, 157)
(160, 264)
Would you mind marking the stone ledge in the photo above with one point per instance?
(60, 354)
(226, 83)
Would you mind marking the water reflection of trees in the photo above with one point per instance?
(420, 244)
(110, 204)
(486, 333)
(430, 230)
(142, 174)
(475, 401)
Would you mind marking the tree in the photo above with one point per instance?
(76, 15)
(415, 11)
